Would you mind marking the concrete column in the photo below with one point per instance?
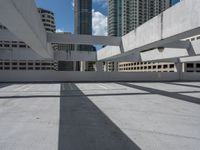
(82, 66)
(179, 68)
(99, 66)
(74, 66)
(106, 63)
(115, 66)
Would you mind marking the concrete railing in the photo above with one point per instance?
(58, 76)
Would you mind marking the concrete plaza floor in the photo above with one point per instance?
(100, 116)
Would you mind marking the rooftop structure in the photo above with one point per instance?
(166, 42)
(62, 112)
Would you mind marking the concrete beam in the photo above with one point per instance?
(174, 24)
(178, 45)
(21, 17)
(6, 35)
(75, 56)
(82, 39)
(19, 54)
(190, 59)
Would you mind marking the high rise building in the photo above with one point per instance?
(83, 16)
(48, 20)
(115, 17)
(83, 25)
(126, 15)
(83, 21)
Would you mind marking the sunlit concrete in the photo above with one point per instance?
(88, 116)
(172, 25)
(22, 19)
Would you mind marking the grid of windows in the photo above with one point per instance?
(48, 20)
(146, 67)
(126, 15)
(13, 44)
(192, 67)
(27, 65)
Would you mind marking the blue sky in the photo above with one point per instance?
(64, 16)
(175, 1)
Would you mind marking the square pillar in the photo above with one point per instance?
(115, 66)
(179, 68)
(99, 66)
(107, 68)
(74, 66)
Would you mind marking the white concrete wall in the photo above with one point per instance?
(163, 54)
(196, 46)
(178, 22)
(21, 17)
(19, 54)
(181, 18)
(108, 51)
(75, 56)
(186, 76)
(64, 38)
(53, 76)
(145, 34)
(6, 35)
(190, 59)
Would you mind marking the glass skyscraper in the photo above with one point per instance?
(83, 17)
(83, 21)
(83, 25)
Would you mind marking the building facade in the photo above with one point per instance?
(83, 25)
(146, 67)
(126, 15)
(48, 21)
(115, 17)
(83, 21)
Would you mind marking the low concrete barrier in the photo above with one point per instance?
(70, 76)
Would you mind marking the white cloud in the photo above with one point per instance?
(60, 30)
(103, 3)
(73, 3)
(99, 23)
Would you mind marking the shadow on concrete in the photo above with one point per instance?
(2, 85)
(175, 95)
(84, 127)
(180, 84)
(72, 95)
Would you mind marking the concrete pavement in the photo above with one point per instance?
(100, 116)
